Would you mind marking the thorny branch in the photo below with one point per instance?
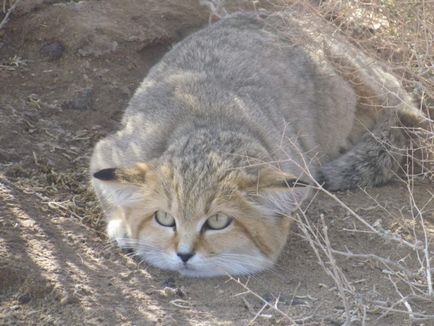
(8, 12)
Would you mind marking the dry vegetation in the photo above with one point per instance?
(399, 34)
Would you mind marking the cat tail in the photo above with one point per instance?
(384, 119)
(373, 161)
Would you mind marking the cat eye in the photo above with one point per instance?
(218, 222)
(164, 219)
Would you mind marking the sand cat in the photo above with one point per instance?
(221, 140)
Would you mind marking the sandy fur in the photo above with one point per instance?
(225, 119)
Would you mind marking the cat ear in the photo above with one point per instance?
(134, 175)
(121, 186)
(106, 174)
(271, 179)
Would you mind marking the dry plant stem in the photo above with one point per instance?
(416, 316)
(396, 265)
(338, 275)
(385, 261)
(265, 302)
(426, 250)
(257, 314)
(413, 246)
(404, 300)
(10, 10)
(334, 271)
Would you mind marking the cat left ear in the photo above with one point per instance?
(135, 174)
(122, 186)
(105, 174)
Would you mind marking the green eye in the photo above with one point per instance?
(218, 222)
(164, 219)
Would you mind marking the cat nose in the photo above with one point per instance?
(185, 256)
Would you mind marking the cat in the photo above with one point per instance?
(232, 129)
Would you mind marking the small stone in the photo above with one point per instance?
(180, 292)
(98, 47)
(64, 300)
(297, 301)
(126, 276)
(128, 250)
(7, 156)
(52, 51)
(81, 289)
(15, 307)
(68, 299)
(168, 292)
(169, 282)
(131, 264)
(24, 298)
(268, 297)
(81, 102)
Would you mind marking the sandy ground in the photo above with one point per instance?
(67, 70)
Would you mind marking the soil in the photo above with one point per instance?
(67, 70)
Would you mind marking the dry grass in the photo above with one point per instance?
(63, 190)
(399, 34)
(411, 281)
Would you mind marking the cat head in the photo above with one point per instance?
(200, 218)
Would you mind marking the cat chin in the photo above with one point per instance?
(213, 272)
(191, 272)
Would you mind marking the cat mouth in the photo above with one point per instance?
(187, 267)
(188, 270)
(191, 271)
(199, 271)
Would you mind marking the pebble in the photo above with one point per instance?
(24, 298)
(107, 254)
(297, 301)
(180, 292)
(268, 297)
(169, 282)
(53, 51)
(7, 156)
(126, 276)
(168, 292)
(81, 102)
(68, 299)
